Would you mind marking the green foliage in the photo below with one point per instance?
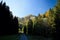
(57, 19)
(44, 24)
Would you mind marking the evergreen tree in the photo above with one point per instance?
(30, 26)
(57, 21)
(7, 24)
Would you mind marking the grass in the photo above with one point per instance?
(8, 37)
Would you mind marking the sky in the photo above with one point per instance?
(22, 8)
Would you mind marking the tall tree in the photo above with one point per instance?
(30, 26)
(6, 20)
(57, 20)
(15, 20)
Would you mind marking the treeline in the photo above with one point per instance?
(47, 25)
(8, 23)
(42, 25)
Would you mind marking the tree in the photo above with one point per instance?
(15, 21)
(25, 29)
(7, 23)
(57, 22)
(30, 26)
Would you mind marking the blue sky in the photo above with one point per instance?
(23, 8)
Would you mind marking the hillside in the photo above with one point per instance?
(25, 19)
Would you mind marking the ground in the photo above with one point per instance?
(8, 37)
(23, 37)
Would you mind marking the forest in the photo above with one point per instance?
(47, 24)
(8, 23)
